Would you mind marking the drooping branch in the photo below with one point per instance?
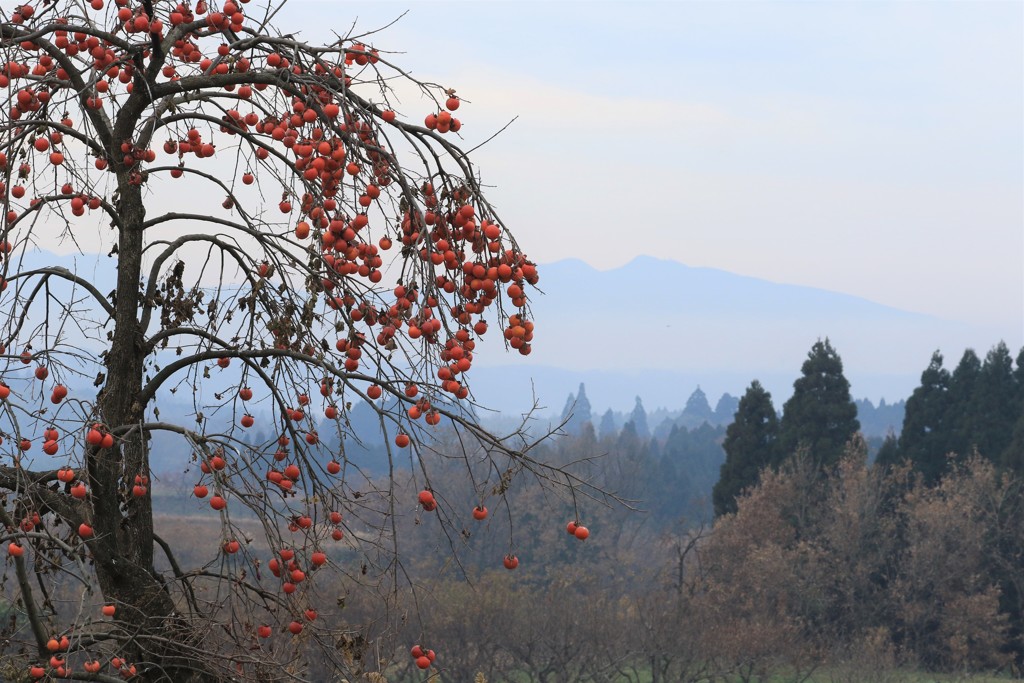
(178, 574)
(34, 484)
(99, 119)
(27, 596)
(65, 274)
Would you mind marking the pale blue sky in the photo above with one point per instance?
(873, 148)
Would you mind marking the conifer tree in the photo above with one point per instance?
(725, 408)
(1018, 375)
(961, 411)
(819, 416)
(924, 439)
(639, 419)
(577, 411)
(607, 426)
(889, 452)
(994, 407)
(1012, 457)
(750, 446)
(697, 408)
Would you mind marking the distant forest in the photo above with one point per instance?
(771, 544)
(685, 448)
(876, 421)
(728, 549)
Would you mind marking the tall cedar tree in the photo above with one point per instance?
(977, 407)
(994, 405)
(698, 408)
(725, 408)
(639, 419)
(819, 416)
(577, 411)
(1012, 456)
(750, 445)
(607, 426)
(962, 411)
(925, 434)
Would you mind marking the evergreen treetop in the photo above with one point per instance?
(924, 439)
(750, 445)
(639, 419)
(820, 415)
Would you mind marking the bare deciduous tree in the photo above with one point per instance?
(282, 246)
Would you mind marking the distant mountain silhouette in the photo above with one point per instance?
(649, 283)
(658, 328)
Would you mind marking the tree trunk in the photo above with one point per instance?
(123, 524)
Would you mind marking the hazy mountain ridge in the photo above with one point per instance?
(658, 328)
(722, 292)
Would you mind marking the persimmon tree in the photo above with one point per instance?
(285, 245)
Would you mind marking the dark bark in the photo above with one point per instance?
(123, 545)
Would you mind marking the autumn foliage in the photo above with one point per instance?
(856, 574)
